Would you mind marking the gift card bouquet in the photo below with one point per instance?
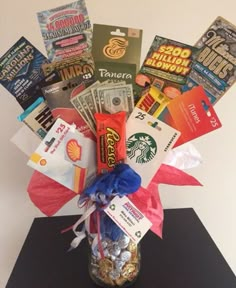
(109, 131)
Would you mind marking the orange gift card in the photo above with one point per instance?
(192, 114)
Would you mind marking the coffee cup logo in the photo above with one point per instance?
(141, 147)
(116, 48)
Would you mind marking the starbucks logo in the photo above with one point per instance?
(142, 147)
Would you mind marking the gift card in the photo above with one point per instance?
(115, 71)
(147, 140)
(38, 117)
(116, 44)
(215, 67)
(65, 156)
(58, 97)
(128, 217)
(192, 114)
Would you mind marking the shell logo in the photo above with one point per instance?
(73, 150)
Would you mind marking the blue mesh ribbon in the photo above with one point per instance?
(121, 181)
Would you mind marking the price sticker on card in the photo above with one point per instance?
(148, 140)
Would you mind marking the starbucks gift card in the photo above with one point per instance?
(148, 140)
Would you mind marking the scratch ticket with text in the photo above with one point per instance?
(215, 67)
(66, 30)
(166, 66)
(20, 69)
(71, 67)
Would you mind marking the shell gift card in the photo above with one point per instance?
(192, 114)
(64, 156)
(148, 140)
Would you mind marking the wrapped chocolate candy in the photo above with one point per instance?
(119, 267)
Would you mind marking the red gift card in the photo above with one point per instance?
(192, 114)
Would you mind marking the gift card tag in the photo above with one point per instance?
(147, 140)
(127, 216)
(192, 114)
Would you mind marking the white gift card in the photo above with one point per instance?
(148, 140)
(66, 156)
(128, 217)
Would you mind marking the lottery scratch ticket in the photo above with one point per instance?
(66, 30)
(20, 69)
(215, 67)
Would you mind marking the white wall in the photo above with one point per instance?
(181, 20)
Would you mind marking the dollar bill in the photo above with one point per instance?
(95, 95)
(76, 103)
(87, 102)
(84, 103)
(89, 99)
(113, 98)
(103, 84)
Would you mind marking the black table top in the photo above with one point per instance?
(187, 257)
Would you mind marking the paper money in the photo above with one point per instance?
(90, 101)
(83, 102)
(109, 82)
(114, 98)
(76, 103)
(95, 95)
(86, 100)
